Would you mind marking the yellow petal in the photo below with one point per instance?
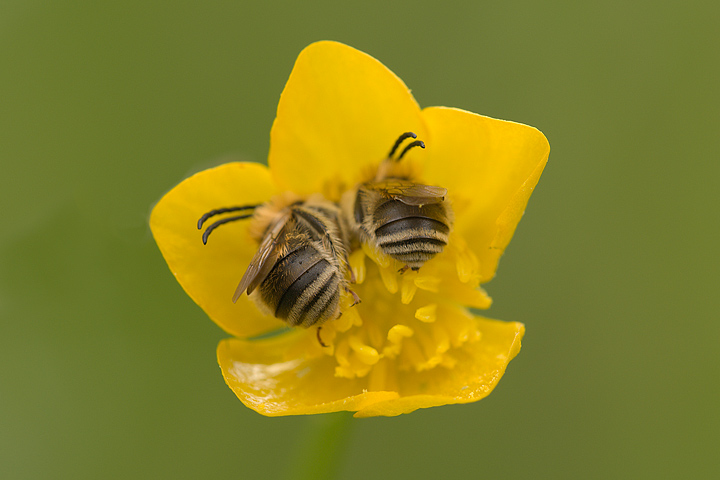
(210, 273)
(267, 376)
(338, 116)
(490, 168)
(477, 369)
(265, 379)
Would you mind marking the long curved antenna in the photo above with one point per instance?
(218, 211)
(399, 141)
(213, 226)
(416, 143)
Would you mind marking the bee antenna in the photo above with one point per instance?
(218, 211)
(213, 226)
(416, 143)
(399, 141)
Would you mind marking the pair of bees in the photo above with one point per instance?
(301, 267)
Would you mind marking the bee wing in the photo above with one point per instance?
(409, 193)
(264, 258)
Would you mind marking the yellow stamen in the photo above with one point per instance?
(395, 337)
(427, 314)
(398, 332)
(367, 354)
(465, 295)
(380, 336)
(358, 368)
(357, 263)
(349, 318)
(466, 263)
(427, 282)
(389, 278)
(408, 288)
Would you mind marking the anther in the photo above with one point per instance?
(399, 141)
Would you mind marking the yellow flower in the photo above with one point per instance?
(412, 342)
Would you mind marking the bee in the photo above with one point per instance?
(298, 273)
(405, 220)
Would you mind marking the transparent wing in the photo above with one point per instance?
(409, 193)
(264, 259)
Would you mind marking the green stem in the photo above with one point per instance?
(319, 454)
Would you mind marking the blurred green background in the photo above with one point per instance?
(108, 370)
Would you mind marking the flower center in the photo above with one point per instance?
(411, 321)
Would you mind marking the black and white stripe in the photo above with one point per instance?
(411, 234)
(303, 287)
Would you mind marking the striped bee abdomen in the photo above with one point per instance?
(411, 234)
(303, 287)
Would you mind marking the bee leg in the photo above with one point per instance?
(327, 241)
(322, 344)
(346, 259)
(355, 296)
(405, 269)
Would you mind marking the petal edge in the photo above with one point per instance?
(339, 114)
(490, 167)
(209, 273)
